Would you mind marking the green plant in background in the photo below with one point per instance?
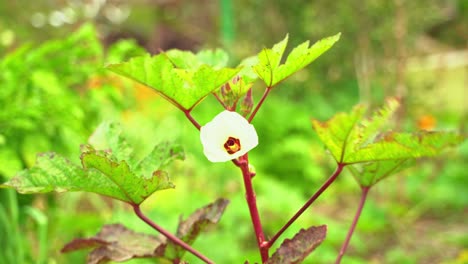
(45, 102)
(110, 166)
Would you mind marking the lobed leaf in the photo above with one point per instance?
(55, 173)
(178, 77)
(135, 188)
(117, 243)
(352, 138)
(295, 250)
(271, 72)
(102, 171)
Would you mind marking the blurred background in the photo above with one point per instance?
(54, 92)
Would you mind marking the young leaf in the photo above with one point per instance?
(271, 72)
(295, 250)
(198, 222)
(352, 138)
(117, 243)
(182, 87)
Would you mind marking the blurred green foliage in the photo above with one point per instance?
(53, 95)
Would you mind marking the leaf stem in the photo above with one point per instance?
(219, 100)
(265, 94)
(169, 236)
(252, 203)
(365, 191)
(190, 117)
(308, 203)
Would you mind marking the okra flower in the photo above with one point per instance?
(228, 136)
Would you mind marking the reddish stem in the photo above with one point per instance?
(265, 94)
(219, 100)
(192, 120)
(169, 236)
(308, 203)
(365, 191)
(252, 203)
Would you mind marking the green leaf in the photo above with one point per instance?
(295, 250)
(108, 135)
(271, 72)
(352, 138)
(217, 58)
(188, 60)
(102, 171)
(161, 155)
(183, 59)
(368, 174)
(55, 173)
(247, 73)
(180, 81)
(134, 188)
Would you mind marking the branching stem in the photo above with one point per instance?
(365, 191)
(265, 94)
(308, 203)
(169, 236)
(192, 120)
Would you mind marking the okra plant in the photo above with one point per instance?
(357, 141)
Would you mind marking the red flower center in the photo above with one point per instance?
(232, 145)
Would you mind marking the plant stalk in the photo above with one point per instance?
(365, 191)
(308, 203)
(252, 203)
(169, 236)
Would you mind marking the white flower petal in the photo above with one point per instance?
(226, 124)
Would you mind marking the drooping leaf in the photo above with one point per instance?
(198, 222)
(181, 82)
(102, 171)
(295, 250)
(352, 138)
(117, 243)
(271, 72)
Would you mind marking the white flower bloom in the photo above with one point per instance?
(228, 136)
